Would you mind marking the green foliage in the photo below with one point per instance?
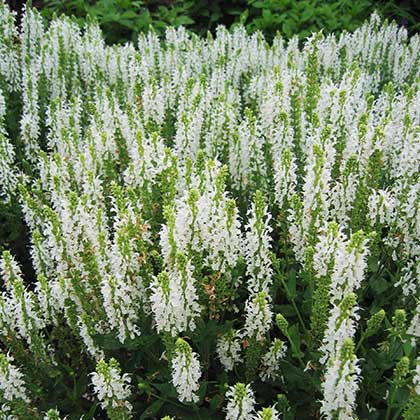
(412, 409)
(123, 20)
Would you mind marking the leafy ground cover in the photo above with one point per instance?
(123, 20)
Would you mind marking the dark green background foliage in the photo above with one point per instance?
(122, 20)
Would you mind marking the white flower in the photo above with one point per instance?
(269, 413)
(270, 360)
(285, 176)
(186, 372)
(410, 278)
(24, 316)
(111, 388)
(5, 413)
(325, 250)
(9, 270)
(122, 289)
(343, 195)
(31, 34)
(9, 67)
(341, 325)
(241, 402)
(228, 350)
(350, 264)
(147, 157)
(416, 378)
(414, 328)
(8, 175)
(189, 122)
(341, 385)
(12, 385)
(204, 219)
(257, 246)
(258, 317)
(246, 154)
(311, 215)
(174, 299)
(381, 207)
(84, 332)
(52, 414)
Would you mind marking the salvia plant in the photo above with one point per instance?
(218, 227)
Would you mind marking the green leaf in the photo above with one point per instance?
(92, 411)
(216, 402)
(296, 340)
(127, 23)
(167, 390)
(152, 410)
(267, 16)
(259, 4)
(129, 14)
(408, 348)
(291, 284)
(203, 389)
(307, 14)
(243, 17)
(287, 29)
(110, 342)
(286, 310)
(184, 20)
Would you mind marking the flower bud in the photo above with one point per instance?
(401, 370)
(375, 322)
(282, 324)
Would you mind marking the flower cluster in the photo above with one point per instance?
(241, 402)
(112, 389)
(229, 349)
(12, 385)
(341, 384)
(270, 361)
(186, 372)
(174, 196)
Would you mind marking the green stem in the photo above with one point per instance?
(292, 344)
(166, 400)
(397, 414)
(197, 412)
(293, 304)
(391, 402)
(362, 338)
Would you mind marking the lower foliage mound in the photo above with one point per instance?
(218, 228)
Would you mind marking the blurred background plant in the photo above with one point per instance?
(304, 17)
(122, 20)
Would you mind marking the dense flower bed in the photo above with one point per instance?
(219, 228)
